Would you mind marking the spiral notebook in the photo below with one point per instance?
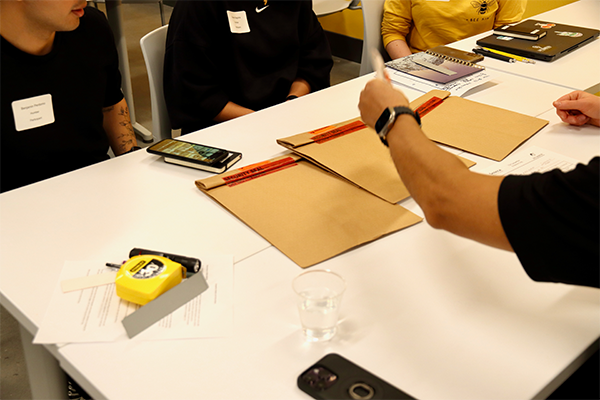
(435, 67)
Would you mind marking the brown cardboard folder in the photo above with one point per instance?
(309, 214)
(353, 151)
(480, 129)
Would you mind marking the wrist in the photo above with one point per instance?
(388, 118)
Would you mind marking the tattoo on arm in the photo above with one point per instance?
(123, 130)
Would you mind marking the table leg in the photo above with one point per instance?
(46, 379)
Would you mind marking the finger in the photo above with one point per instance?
(562, 115)
(566, 104)
(577, 120)
(576, 95)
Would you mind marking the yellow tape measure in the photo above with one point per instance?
(143, 278)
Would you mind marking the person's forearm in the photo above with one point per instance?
(444, 187)
(231, 111)
(398, 48)
(452, 197)
(118, 128)
(299, 88)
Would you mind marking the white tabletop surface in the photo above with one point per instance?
(577, 70)
(434, 314)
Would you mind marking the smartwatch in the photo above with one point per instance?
(387, 119)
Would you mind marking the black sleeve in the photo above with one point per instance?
(315, 55)
(192, 81)
(98, 24)
(552, 221)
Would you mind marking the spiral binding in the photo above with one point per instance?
(454, 59)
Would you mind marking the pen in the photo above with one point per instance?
(192, 265)
(378, 64)
(518, 58)
(487, 53)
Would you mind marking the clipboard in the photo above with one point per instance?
(487, 131)
(353, 151)
(308, 213)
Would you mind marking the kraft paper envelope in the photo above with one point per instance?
(309, 214)
(480, 129)
(353, 151)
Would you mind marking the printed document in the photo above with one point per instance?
(456, 88)
(530, 160)
(95, 314)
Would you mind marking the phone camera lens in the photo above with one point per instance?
(319, 378)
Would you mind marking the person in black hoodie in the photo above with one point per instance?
(225, 59)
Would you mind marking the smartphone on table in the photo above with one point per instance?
(335, 377)
(194, 155)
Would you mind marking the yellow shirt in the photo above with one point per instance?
(430, 23)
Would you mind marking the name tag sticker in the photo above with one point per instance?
(238, 22)
(33, 112)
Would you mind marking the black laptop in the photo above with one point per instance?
(558, 41)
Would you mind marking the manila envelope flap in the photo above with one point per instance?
(353, 151)
(306, 212)
(478, 128)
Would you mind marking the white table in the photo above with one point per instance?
(577, 70)
(434, 314)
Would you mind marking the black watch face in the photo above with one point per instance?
(385, 116)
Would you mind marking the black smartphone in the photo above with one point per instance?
(335, 377)
(195, 155)
(187, 151)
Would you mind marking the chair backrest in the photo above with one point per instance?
(372, 16)
(326, 7)
(153, 50)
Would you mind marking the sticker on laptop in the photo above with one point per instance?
(569, 34)
(547, 25)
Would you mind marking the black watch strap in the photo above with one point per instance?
(388, 118)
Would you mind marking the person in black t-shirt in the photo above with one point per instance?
(228, 58)
(61, 99)
(551, 220)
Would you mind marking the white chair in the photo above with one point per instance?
(326, 7)
(372, 16)
(153, 50)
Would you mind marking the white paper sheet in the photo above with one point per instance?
(95, 314)
(530, 160)
(456, 88)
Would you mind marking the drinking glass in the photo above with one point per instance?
(319, 297)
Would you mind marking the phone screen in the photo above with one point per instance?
(198, 152)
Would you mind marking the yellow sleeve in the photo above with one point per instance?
(509, 11)
(397, 20)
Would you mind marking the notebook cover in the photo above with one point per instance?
(528, 30)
